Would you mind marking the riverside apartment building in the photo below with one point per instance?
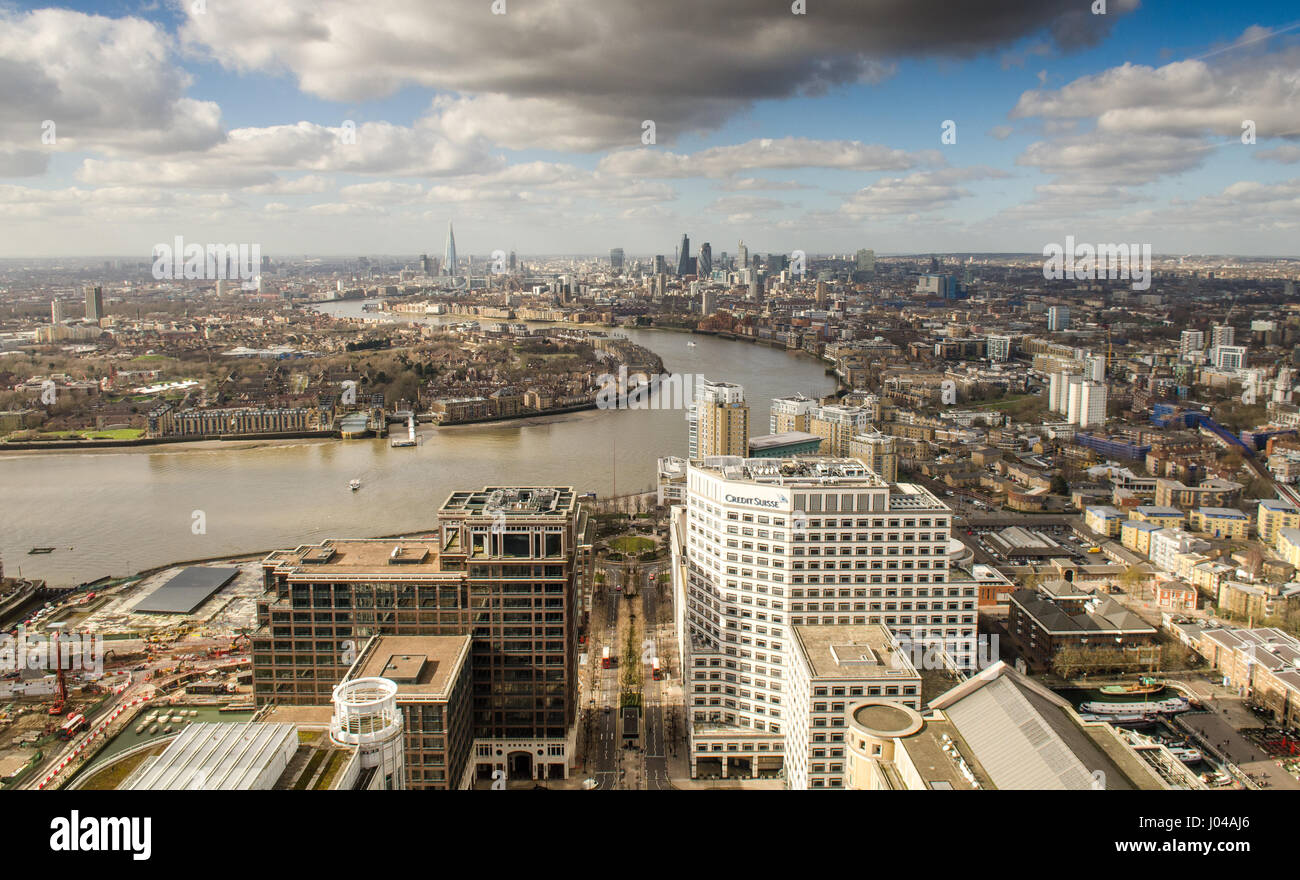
(764, 545)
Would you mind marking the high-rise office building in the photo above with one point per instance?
(449, 252)
(718, 420)
(94, 303)
(755, 293)
(708, 302)
(1058, 318)
(742, 258)
(661, 265)
(704, 263)
(735, 628)
(425, 265)
(684, 256)
(616, 259)
(506, 566)
(56, 312)
(788, 414)
(866, 261)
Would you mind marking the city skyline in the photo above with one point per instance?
(998, 138)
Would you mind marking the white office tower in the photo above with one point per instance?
(366, 717)
(1095, 368)
(763, 545)
(1058, 392)
(1087, 403)
(1191, 343)
(56, 312)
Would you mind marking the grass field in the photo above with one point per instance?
(632, 544)
(117, 434)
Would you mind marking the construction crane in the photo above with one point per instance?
(62, 697)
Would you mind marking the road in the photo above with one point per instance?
(655, 741)
(611, 765)
(603, 752)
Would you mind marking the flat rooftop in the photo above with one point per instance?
(513, 501)
(397, 556)
(862, 651)
(785, 438)
(425, 666)
(187, 591)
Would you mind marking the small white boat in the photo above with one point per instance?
(1187, 756)
(690, 344)
(354, 485)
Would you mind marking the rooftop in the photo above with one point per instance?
(513, 501)
(862, 651)
(799, 470)
(423, 666)
(357, 555)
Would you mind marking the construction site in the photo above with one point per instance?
(97, 669)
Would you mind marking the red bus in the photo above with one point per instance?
(656, 671)
(71, 726)
(606, 661)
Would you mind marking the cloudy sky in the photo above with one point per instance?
(363, 126)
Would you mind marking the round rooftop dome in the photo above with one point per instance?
(884, 719)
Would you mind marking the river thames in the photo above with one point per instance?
(114, 512)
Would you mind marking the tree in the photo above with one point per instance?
(1060, 486)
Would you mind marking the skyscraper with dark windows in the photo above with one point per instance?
(616, 259)
(684, 256)
(704, 263)
(94, 303)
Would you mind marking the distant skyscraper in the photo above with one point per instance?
(866, 261)
(742, 258)
(616, 259)
(425, 265)
(684, 256)
(704, 263)
(449, 253)
(94, 303)
(1058, 318)
(56, 312)
(755, 293)
(661, 265)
